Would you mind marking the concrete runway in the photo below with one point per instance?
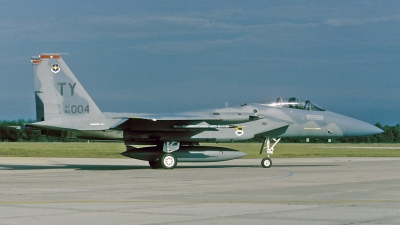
(127, 191)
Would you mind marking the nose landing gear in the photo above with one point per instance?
(267, 162)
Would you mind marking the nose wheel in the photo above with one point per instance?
(266, 162)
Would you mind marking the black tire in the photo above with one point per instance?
(168, 161)
(266, 162)
(155, 164)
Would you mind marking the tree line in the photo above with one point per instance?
(10, 134)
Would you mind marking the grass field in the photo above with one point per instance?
(113, 150)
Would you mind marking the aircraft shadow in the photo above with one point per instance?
(72, 166)
(127, 167)
(248, 166)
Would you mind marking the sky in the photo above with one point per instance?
(170, 56)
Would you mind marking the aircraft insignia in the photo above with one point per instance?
(239, 131)
(55, 68)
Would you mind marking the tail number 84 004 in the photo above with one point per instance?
(76, 109)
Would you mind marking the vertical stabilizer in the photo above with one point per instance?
(58, 93)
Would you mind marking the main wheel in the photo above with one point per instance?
(168, 161)
(266, 162)
(155, 164)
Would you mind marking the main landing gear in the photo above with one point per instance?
(167, 160)
(267, 162)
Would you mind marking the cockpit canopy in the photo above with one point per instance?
(292, 102)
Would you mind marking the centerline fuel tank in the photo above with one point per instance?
(186, 154)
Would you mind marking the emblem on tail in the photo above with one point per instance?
(55, 68)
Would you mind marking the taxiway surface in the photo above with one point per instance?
(126, 191)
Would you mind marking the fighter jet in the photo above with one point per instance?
(64, 109)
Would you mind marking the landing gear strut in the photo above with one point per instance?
(267, 162)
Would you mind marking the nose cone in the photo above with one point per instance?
(357, 128)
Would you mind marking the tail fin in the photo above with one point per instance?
(58, 93)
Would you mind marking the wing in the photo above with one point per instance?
(184, 121)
